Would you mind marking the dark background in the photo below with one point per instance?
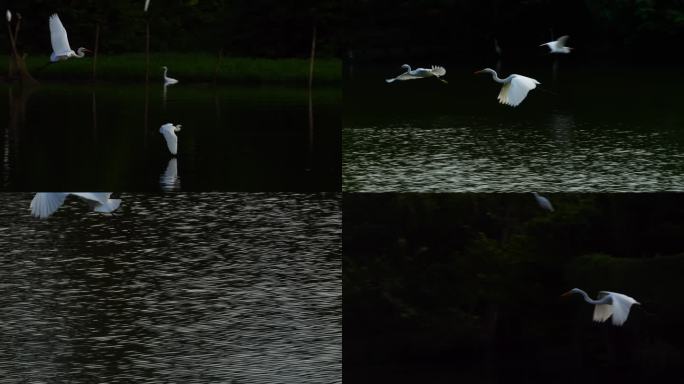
(463, 31)
(467, 286)
(263, 28)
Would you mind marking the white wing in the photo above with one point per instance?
(602, 311)
(45, 204)
(544, 203)
(147, 4)
(515, 91)
(168, 130)
(171, 173)
(58, 36)
(96, 197)
(560, 43)
(438, 71)
(9, 16)
(620, 307)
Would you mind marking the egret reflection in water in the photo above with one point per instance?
(169, 180)
(191, 288)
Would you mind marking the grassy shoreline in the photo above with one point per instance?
(199, 67)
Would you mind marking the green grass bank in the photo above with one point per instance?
(186, 67)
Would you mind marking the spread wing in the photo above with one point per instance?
(560, 43)
(170, 136)
(45, 204)
(515, 91)
(58, 36)
(438, 71)
(621, 306)
(602, 311)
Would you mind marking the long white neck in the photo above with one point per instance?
(80, 53)
(165, 71)
(603, 300)
(496, 77)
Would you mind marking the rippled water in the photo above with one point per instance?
(186, 288)
(106, 137)
(586, 131)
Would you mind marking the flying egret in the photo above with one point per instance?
(45, 204)
(60, 42)
(543, 202)
(9, 16)
(608, 304)
(168, 80)
(515, 87)
(169, 132)
(558, 46)
(420, 73)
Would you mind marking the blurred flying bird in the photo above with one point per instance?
(45, 204)
(420, 73)
(543, 202)
(608, 304)
(558, 46)
(60, 42)
(169, 132)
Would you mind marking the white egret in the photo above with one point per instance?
(514, 89)
(168, 80)
(60, 42)
(558, 46)
(420, 73)
(608, 304)
(9, 16)
(147, 4)
(169, 132)
(45, 204)
(543, 202)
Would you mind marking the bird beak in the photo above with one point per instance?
(87, 50)
(477, 72)
(566, 294)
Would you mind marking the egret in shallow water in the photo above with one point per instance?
(514, 89)
(420, 73)
(169, 131)
(543, 202)
(558, 46)
(608, 304)
(45, 204)
(168, 80)
(60, 42)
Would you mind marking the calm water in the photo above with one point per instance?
(75, 137)
(185, 288)
(587, 130)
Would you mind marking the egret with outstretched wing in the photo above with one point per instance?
(44, 204)
(419, 73)
(514, 89)
(558, 46)
(608, 304)
(60, 42)
(169, 132)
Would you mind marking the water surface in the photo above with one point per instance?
(191, 288)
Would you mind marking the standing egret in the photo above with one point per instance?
(168, 80)
(169, 132)
(558, 46)
(420, 73)
(515, 87)
(45, 204)
(543, 202)
(608, 304)
(60, 42)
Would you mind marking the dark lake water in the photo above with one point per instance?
(599, 129)
(237, 138)
(185, 288)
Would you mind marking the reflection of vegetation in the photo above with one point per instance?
(190, 67)
(477, 278)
